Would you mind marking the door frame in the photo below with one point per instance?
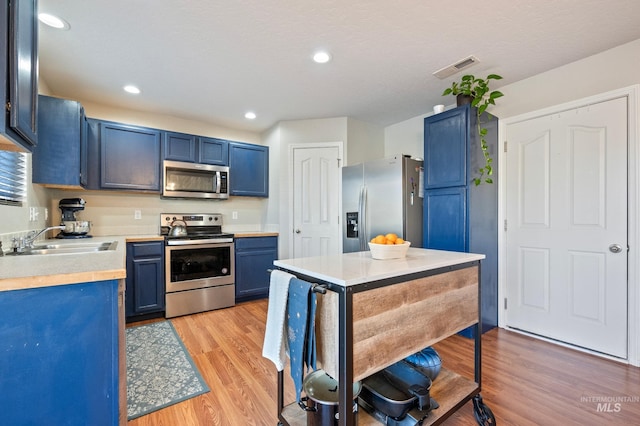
(292, 148)
(633, 210)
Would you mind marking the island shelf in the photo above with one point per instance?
(377, 312)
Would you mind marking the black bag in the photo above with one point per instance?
(395, 390)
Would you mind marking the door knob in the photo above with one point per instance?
(615, 248)
(297, 231)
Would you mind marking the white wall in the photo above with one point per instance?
(360, 140)
(166, 122)
(612, 69)
(366, 142)
(15, 220)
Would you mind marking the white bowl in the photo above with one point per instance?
(388, 251)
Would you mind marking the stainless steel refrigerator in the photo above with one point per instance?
(380, 197)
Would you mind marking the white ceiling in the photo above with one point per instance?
(213, 60)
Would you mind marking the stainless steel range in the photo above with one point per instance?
(199, 263)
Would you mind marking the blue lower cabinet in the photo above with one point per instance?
(59, 354)
(254, 256)
(145, 278)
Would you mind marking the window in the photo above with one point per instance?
(13, 178)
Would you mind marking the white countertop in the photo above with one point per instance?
(356, 268)
(32, 271)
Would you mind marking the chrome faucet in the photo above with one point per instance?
(27, 242)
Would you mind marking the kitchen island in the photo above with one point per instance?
(377, 312)
(62, 335)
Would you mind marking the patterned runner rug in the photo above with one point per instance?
(160, 371)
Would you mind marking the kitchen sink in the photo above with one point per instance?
(84, 247)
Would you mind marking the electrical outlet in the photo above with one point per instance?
(234, 215)
(33, 214)
(46, 214)
(137, 214)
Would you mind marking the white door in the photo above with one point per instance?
(566, 198)
(316, 201)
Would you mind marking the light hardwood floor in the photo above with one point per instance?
(525, 381)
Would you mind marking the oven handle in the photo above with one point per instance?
(199, 242)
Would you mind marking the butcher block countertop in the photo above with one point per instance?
(142, 238)
(251, 234)
(33, 271)
(356, 268)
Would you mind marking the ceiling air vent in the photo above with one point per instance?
(458, 66)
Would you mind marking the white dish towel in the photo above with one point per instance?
(275, 342)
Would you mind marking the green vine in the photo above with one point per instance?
(478, 89)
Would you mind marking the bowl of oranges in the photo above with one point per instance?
(388, 246)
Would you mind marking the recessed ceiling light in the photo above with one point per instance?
(321, 57)
(132, 89)
(53, 21)
(250, 115)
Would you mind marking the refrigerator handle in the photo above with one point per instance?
(362, 213)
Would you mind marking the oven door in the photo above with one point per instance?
(194, 266)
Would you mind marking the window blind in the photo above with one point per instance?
(13, 177)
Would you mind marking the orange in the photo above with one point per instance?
(390, 243)
(380, 239)
(391, 237)
(399, 240)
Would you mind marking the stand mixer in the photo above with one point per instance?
(74, 228)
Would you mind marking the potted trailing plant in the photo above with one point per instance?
(477, 92)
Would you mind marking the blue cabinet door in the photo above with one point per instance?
(213, 151)
(249, 169)
(59, 354)
(254, 256)
(445, 149)
(145, 291)
(129, 157)
(195, 149)
(179, 147)
(56, 160)
(19, 71)
(445, 219)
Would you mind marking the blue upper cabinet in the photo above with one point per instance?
(19, 72)
(445, 149)
(249, 169)
(57, 159)
(195, 149)
(129, 157)
(179, 147)
(213, 151)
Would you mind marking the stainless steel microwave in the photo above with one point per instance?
(191, 180)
